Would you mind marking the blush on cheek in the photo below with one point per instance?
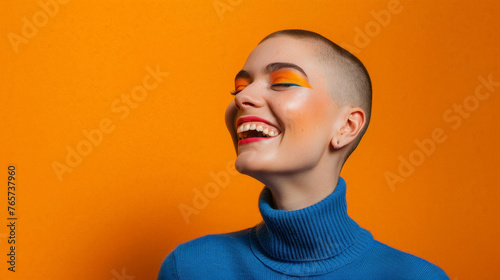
(312, 118)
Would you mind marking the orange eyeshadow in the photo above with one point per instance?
(240, 84)
(286, 76)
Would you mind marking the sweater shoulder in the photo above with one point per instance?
(204, 254)
(219, 242)
(406, 265)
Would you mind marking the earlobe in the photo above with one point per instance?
(350, 129)
(336, 145)
(337, 142)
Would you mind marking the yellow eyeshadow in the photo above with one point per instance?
(288, 76)
(240, 84)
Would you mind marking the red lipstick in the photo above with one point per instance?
(253, 139)
(252, 119)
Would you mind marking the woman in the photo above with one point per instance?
(301, 106)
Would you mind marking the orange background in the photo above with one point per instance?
(117, 213)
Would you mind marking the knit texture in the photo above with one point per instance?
(317, 242)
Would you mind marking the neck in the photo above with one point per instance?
(310, 241)
(297, 190)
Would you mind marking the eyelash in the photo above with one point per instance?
(285, 84)
(234, 92)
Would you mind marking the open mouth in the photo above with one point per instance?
(257, 130)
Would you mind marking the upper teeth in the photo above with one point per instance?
(265, 128)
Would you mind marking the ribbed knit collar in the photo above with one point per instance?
(311, 241)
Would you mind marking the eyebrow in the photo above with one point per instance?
(273, 67)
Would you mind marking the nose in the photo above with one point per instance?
(248, 98)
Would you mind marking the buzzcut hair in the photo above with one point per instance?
(350, 83)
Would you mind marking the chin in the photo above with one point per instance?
(247, 164)
(261, 170)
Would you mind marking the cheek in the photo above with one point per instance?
(306, 117)
(230, 117)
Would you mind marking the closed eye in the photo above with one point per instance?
(285, 84)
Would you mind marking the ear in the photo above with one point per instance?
(350, 128)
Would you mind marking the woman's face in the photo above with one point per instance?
(282, 118)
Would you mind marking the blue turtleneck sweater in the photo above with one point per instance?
(317, 242)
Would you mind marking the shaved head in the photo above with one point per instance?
(348, 80)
